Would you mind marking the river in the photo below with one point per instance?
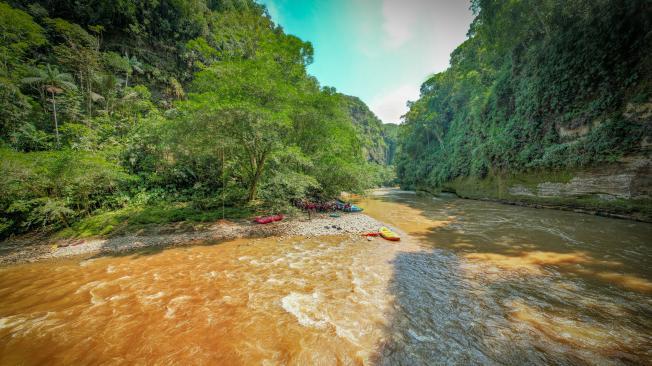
(470, 283)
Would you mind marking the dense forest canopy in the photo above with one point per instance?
(189, 104)
(538, 85)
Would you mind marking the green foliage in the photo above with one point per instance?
(537, 85)
(15, 108)
(251, 123)
(122, 114)
(390, 135)
(18, 34)
(51, 82)
(54, 187)
(370, 128)
(136, 217)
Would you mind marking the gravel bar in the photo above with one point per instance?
(22, 250)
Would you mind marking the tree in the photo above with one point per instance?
(79, 53)
(132, 64)
(108, 84)
(18, 34)
(15, 108)
(259, 133)
(252, 100)
(51, 80)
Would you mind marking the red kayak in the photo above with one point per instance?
(268, 219)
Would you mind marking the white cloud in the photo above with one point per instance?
(417, 39)
(435, 21)
(389, 107)
(398, 21)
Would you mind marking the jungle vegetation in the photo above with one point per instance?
(539, 85)
(166, 110)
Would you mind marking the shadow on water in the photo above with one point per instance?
(442, 314)
(441, 318)
(501, 284)
(435, 318)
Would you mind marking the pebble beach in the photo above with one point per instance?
(36, 249)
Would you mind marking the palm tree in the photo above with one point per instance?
(132, 65)
(50, 80)
(108, 84)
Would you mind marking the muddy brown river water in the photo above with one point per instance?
(470, 283)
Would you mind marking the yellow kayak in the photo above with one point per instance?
(388, 234)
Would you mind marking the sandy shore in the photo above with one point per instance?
(35, 248)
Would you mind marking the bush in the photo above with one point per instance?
(55, 188)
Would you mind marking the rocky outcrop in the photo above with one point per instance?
(631, 179)
(603, 186)
(622, 189)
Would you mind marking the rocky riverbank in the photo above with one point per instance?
(619, 190)
(34, 248)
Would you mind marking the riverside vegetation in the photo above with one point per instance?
(121, 114)
(118, 115)
(542, 94)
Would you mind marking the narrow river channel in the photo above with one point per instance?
(470, 283)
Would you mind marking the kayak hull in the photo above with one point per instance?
(388, 234)
(268, 219)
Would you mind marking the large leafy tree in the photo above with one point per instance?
(251, 101)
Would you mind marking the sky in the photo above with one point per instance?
(378, 50)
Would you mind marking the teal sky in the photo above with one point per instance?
(378, 50)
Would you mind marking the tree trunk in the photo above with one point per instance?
(126, 79)
(90, 97)
(255, 179)
(439, 138)
(253, 185)
(54, 113)
(81, 82)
